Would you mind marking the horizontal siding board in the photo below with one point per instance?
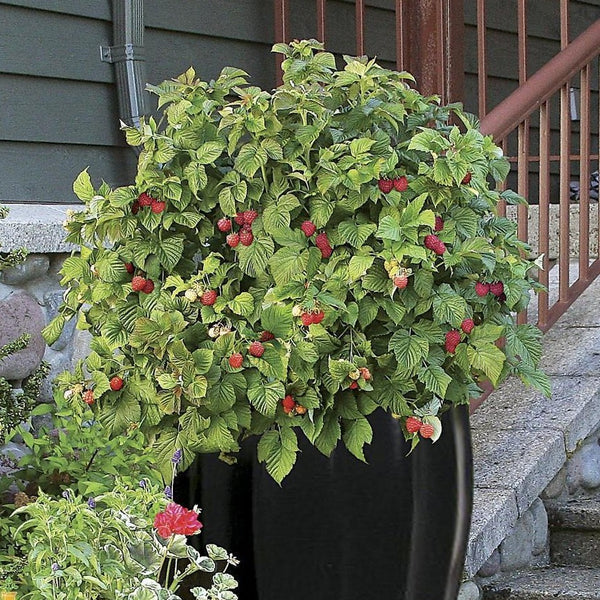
(58, 111)
(46, 44)
(45, 172)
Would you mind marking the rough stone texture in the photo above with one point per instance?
(572, 351)
(494, 513)
(21, 314)
(52, 301)
(540, 526)
(34, 266)
(559, 583)
(583, 470)
(58, 362)
(469, 591)
(557, 486)
(517, 459)
(575, 547)
(491, 565)
(576, 513)
(516, 549)
(80, 345)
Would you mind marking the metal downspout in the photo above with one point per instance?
(127, 56)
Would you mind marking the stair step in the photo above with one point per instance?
(575, 532)
(558, 583)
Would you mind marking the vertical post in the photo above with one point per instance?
(321, 20)
(435, 46)
(281, 33)
(360, 27)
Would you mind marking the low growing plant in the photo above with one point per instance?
(290, 261)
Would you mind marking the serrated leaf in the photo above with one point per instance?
(409, 349)
(265, 396)
(389, 229)
(277, 318)
(242, 304)
(358, 266)
(487, 358)
(169, 251)
(435, 379)
(355, 235)
(52, 331)
(83, 188)
(356, 434)
(278, 449)
(255, 258)
(448, 306)
(209, 152)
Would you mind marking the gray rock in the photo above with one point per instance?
(540, 526)
(59, 362)
(81, 345)
(52, 301)
(469, 591)
(21, 314)
(34, 267)
(491, 566)
(575, 547)
(557, 486)
(584, 468)
(517, 548)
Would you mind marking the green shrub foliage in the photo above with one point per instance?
(331, 232)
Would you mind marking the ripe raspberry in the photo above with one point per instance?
(288, 404)
(497, 288)
(250, 217)
(400, 183)
(116, 383)
(224, 225)
(426, 430)
(265, 336)
(482, 289)
(158, 206)
(246, 227)
(236, 360)
(466, 179)
(326, 251)
(401, 281)
(233, 239)
(385, 185)
(209, 297)
(467, 326)
(452, 340)
(413, 424)
(318, 317)
(148, 286)
(246, 238)
(239, 218)
(365, 373)
(439, 224)
(145, 200)
(307, 319)
(129, 267)
(135, 207)
(88, 397)
(138, 283)
(256, 349)
(353, 385)
(434, 243)
(321, 241)
(308, 227)
(300, 410)
(501, 298)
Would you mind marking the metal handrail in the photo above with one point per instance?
(526, 99)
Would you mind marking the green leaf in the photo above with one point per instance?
(52, 331)
(83, 188)
(265, 396)
(242, 304)
(209, 152)
(227, 202)
(409, 349)
(448, 306)
(278, 448)
(287, 263)
(277, 318)
(255, 258)
(331, 432)
(435, 379)
(356, 434)
(524, 342)
(487, 358)
(355, 235)
(358, 266)
(169, 251)
(367, 311)
(389, 229)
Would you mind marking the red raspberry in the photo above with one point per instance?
(426, 430)
(452, 340)
(265, 336)
(233, 239)
(88, 397)
(439, 224)
(116, 383)
(501, 298)
(322, 243)
(365, 373)
(135, 207)
(497, 288)
(158, 206)
(145, 200)
(246, 227)
(288, 404)
(307, 319)
(209, 297)
(318, 317)
(400, 183)
(326, 251)
(246, 238)
(148, 286)
(239, 218)
(385, 185)
(308, 227)
(466, 179)
(401, 281)
(129, 267)
(138, 283)
(250, 217)
(434, 243)
(467, 326)
(224, 225)
(413, 424)
(482, 289)
(256, 349)
(236, 360)
(353, 385)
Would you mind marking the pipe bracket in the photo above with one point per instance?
(117, 54)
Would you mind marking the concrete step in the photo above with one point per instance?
(575, 532)
(558, 583)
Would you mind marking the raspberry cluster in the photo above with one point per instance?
(244, 236)
(415, 425)
(433, 242)
(386, 185)
(145, 200)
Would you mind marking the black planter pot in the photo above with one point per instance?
(339, 529)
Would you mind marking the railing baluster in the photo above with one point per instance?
(360, 27)
(584, 175)
(544, 211)
(564, 215)
(481, 59)
(401, 41)
(522, 40)
(321, 20)
(523, 189)
(564, 24)
(281, 33)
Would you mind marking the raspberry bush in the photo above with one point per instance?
(287, 262)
